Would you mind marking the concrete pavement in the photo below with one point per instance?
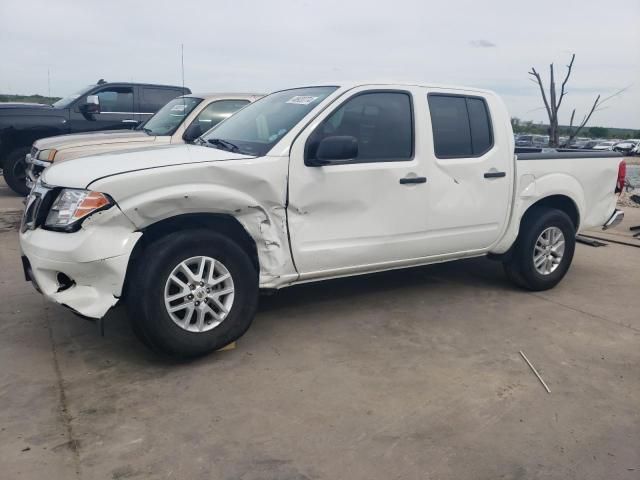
(410, 374)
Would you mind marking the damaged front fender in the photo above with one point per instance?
(253, 191)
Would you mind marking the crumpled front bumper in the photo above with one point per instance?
(84, 270)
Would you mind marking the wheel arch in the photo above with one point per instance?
(560, 202)
(221, 223)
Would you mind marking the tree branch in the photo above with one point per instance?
(552, 95)
(573, 114)
(544, 96)
(585, 119)
(564, 82)
(596, 107)
(614, 95)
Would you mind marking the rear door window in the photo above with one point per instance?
(461, 126)
(153, 99)
(480, 123)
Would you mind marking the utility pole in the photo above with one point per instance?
(48, 82)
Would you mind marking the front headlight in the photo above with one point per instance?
(47, 155)
(72, 206)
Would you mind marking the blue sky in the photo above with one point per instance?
(262, 46)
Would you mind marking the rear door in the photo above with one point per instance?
(371, 210)
(471, 172)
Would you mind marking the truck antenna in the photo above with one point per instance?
(182, 64)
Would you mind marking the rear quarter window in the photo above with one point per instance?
(480, 123)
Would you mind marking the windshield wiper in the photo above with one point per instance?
(226, 145)
(147, 131)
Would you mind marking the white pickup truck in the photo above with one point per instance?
(303, 185)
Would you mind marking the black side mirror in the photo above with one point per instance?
(192, 132)
(335, 149)
(92, 105)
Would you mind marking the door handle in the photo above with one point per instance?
(410, 180)
(131, 121)
(495, 174)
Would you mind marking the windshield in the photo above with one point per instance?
(168, 118)
(256, 128)
(66, 101)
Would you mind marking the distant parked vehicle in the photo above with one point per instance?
(625, 147)
(536, 141)
(103, 106)
(604, 146)
(579, 142)
(181, 120)
(590, 144)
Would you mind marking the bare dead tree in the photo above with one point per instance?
(552, 105)
(553, 102)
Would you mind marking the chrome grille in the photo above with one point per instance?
(32, 217)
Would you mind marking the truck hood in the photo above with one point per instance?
(80, 172)
(9, 111)
(24, 105)
(62, 142)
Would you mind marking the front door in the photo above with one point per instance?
(369, 210)
(116, 111)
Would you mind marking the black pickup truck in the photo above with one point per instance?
(103, 106)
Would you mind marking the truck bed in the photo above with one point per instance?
(588, 177)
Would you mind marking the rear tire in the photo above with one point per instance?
(159, 274)
(543, 251)
(15, 171)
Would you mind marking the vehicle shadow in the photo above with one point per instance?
(295, 302)
(480, 272)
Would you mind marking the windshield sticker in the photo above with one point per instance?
(179, 108)
(301, 99)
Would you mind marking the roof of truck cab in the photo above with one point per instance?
(353, 84)
(209, 96)
(141, 84)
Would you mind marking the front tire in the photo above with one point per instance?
(543, 251)
(191, 293)
(15, 171)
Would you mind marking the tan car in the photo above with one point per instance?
(181, 120)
